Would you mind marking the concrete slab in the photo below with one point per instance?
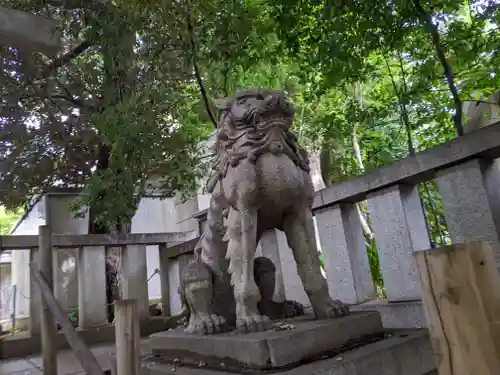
(24, 345)
(66, 361)
(407, 352)
(307, 339)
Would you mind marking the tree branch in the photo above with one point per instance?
(426, 19)
(488, 12)
(67, 57)
(197, 74)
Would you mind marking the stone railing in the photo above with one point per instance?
(91, 251)
(468, 179)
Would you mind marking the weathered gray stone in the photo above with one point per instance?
(471, 201)
(308, 338)
(469, 212)
(399, 226)
(35, 303)
(22, 242)
(344, 250)
(293, 284)
(259, 182)
(396, 315)
(270, 249)
(28, 31)
(404, 353)
(134, 281)
(92, 301)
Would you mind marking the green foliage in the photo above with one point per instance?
(8, 220)
(378, 281)
(115, 110)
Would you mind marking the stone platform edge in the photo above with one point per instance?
(307, 339)
(403, 352)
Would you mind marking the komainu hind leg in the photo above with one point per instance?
(197, 294)
(265, 278)
(299, 229)
(242, 236)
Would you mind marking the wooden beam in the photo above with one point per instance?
(462, 304)
(29, 32)
(82, 352)
(128, 350)
(24, 242)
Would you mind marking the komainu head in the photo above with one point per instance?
(255, 122)
(258, 108)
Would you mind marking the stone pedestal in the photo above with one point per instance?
(305, 339)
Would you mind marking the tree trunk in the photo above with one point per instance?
(319, 171)
(316, 173)
(118, 82)
(357, 154)
(426, 19)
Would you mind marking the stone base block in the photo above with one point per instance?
(407, 352)
(396, 315)
(305, 339)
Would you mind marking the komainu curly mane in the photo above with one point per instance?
(245, 130)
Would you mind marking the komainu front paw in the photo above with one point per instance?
(206, 324)
(292, 309)
(252, 323)
(329, 308)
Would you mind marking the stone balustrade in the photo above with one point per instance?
(91, 251)
(468, 178)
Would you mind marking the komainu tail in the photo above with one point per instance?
(211, 247)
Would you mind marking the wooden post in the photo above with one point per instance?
(165, 283)
(48, 326)
(128, 351)
(82, 352)
(462, 304)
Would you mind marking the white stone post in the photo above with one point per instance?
(344, 250)
(294, 289)
(471, 200)
(270, 249)
(35, 304)
(134, 281)
(399, 226)
(92, 311)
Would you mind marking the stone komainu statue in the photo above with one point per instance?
(260, 181)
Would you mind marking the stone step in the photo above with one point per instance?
(404, 352)
(396, 315)
(304, 338)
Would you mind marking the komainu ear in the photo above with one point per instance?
(223, 104)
